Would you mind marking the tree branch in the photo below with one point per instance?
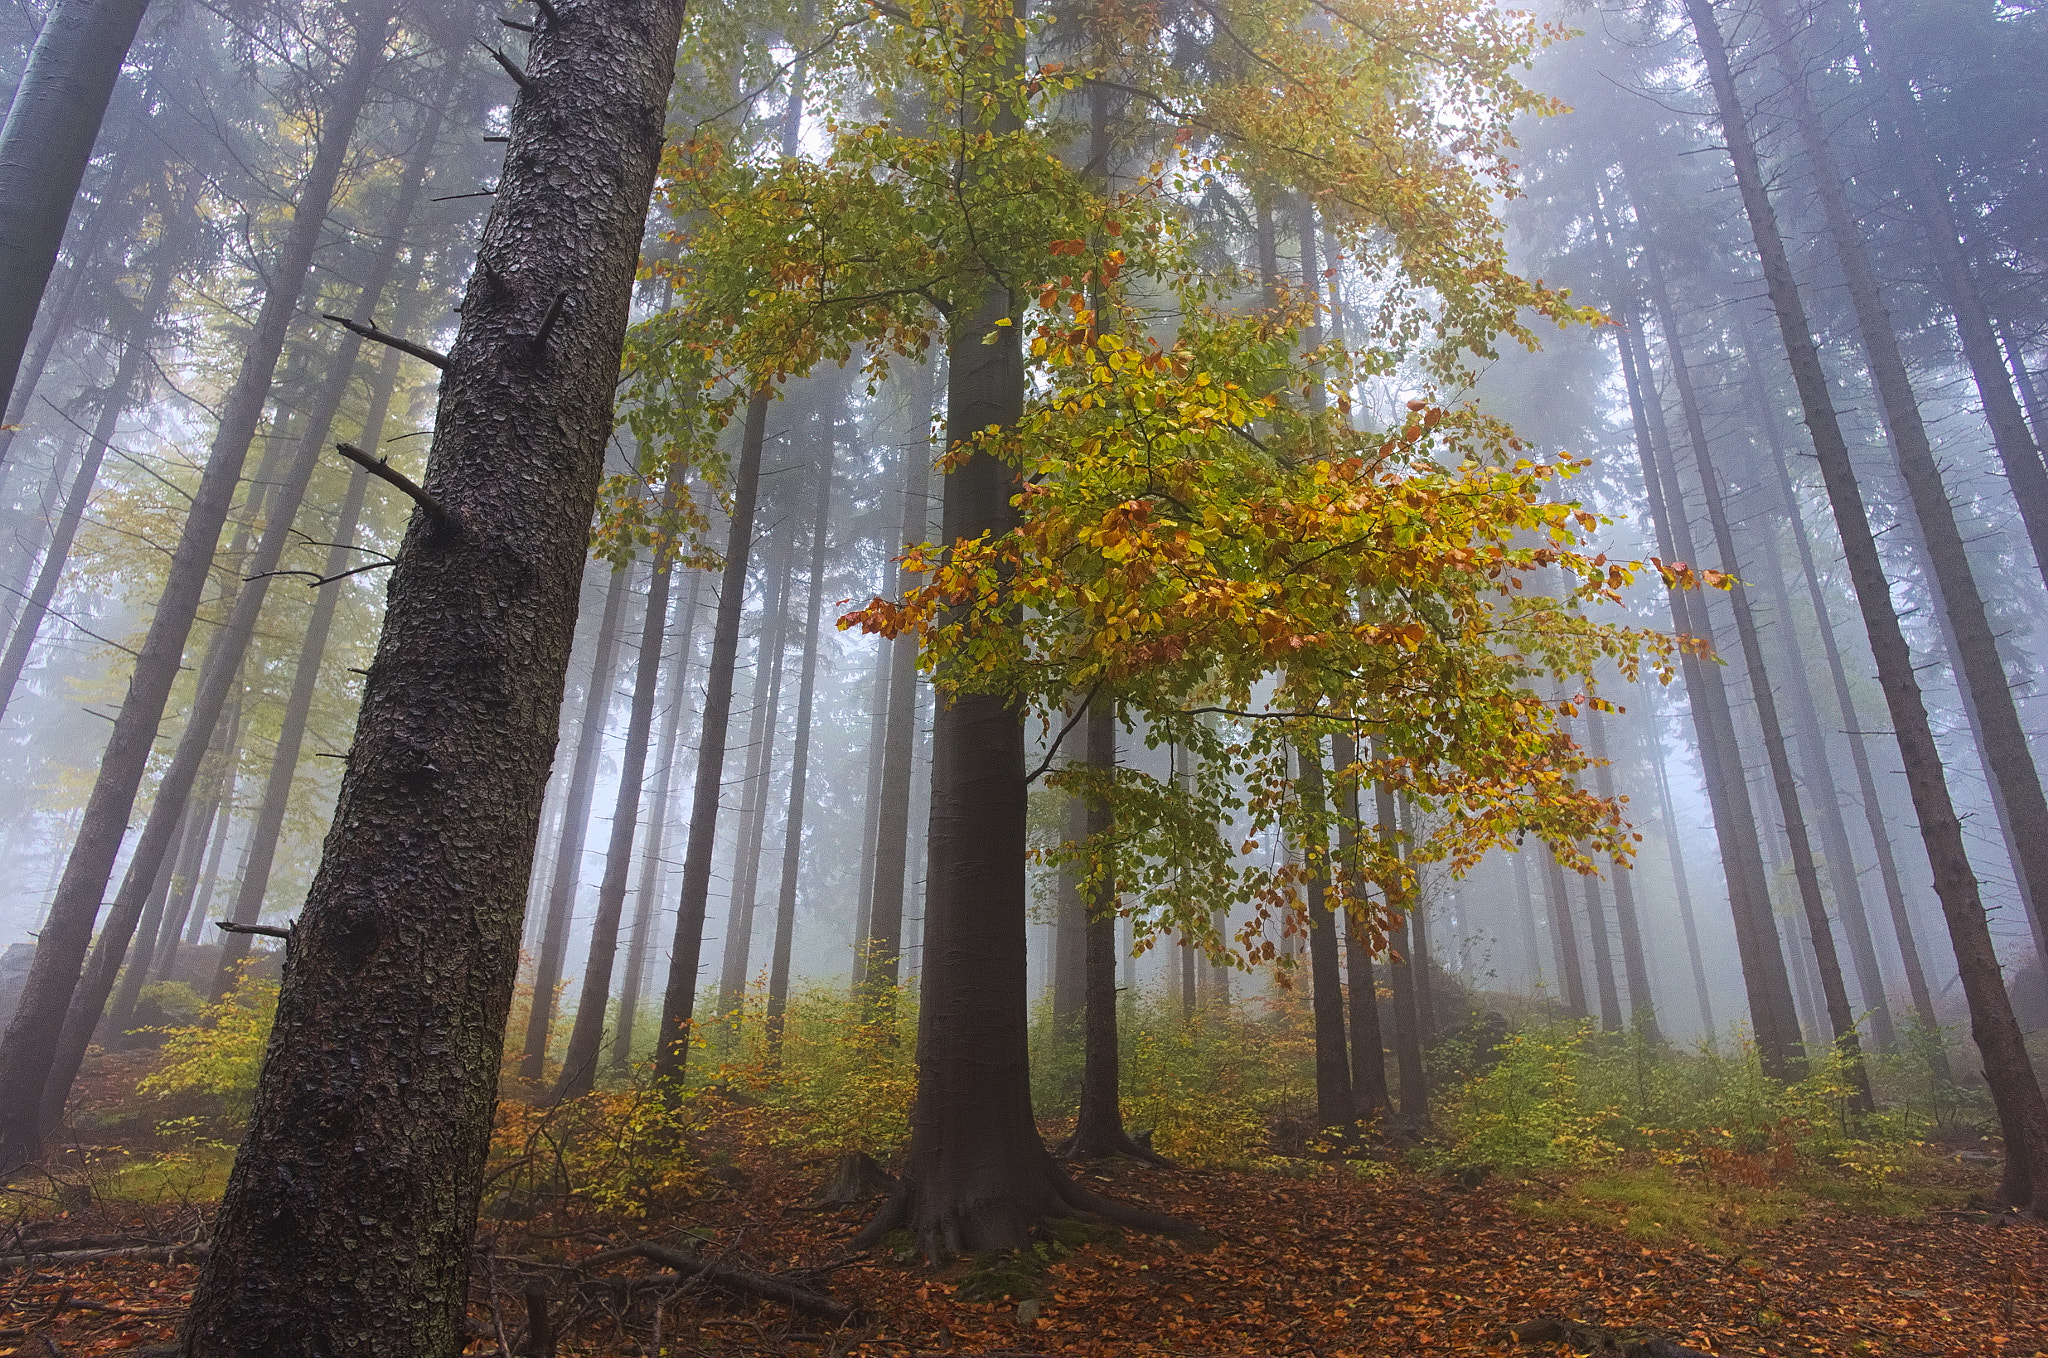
(519, 77)
(1072, 721)
(228, 926)
(384, 471)
(370, 331)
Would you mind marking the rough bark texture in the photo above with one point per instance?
(2008, 1071)
(44, 146)
(567, 876)
(32, 1036)
(347, 1221)
(679, 1001)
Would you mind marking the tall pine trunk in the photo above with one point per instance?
(31, 1041)
(377, 1092)
(2008, 1071)
(755, 784)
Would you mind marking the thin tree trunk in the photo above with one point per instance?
(1603, 953)
(1070, 932)
(878, 727)
(883, 949)
(756, 784)
(1642, 1005)
(1681, 887)
(32, 1036)
(1368, 1047)
(2009, 1073)
(1763, 694)
(1335, 1105)
(679, 1001)
(1525, 900)
(638, 955)
(378, 1088)
(1564, 937)
(1767, 986)
(800, 750)
(45, 145)
(586, 1036)
(567, 881)
(1414, 1084)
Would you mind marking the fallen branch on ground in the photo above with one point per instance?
(1599, 1340)
(732, 1279)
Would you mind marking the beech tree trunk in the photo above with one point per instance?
(586, 1036)
(1368, 1047)
(32, 1036)
(377, 1092)
(800, 749)
(567, 877)
(1336, 1107)
(44, 147)
(2008, 1071)
(679, 1000)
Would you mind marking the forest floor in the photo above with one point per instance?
(1296, 1257)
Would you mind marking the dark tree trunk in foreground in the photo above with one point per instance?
(1763, 695)
(567, 877)
(679, 1001)
(2008, 1071)
(800, 751)
(586, 1037)
(1335, 1107)
(32, 1037)
(1368, 1047)
(377, 1092)
(1099, 1126)
(44, 147)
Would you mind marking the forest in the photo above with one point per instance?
(908, 678)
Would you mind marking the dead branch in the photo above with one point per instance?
(519, 77)
(228, 926)
(732, 1279)
(547, 325)
(372, 331)
(382, 469)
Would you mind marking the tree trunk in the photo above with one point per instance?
(177, 222)
(1763, 694)
(44, 147)
(1414, 1085)
(377, 1092)
(2009, 1073)
(1336, 1108)
(586, 1036)
(32, 1036)
(1603, 954)
(1368, 1047)
(1564, 936)
(1765, 983)
(1099, 1127)
(567, 879)
(1642, 1007)
(638, 955)
(878, 726)
(800, 747)
(679, 1001)
(1681, 887)
(883, 950)
(1070, 934)
(755, 785)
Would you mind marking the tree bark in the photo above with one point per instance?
(679, 1001)
(377, 1091)
(882, 952)
(1368, 1047)
(2009, 1073)
(638, 955)
(800, 747)
(755, 785)
(45, 145)
(1763, 695)
(32, 1035)
(586, 1035)
(567, 878)
(1336, 1108)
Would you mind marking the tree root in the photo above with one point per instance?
(1104, 1145)
(1599, 1340)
